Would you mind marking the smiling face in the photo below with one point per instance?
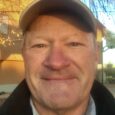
(60, 62)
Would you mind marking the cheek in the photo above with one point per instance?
(89, 68)
(85, 61)
(33, 62)
(82, 56)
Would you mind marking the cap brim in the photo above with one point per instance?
(39, 6)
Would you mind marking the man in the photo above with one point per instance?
(60, 56)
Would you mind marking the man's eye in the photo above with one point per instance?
(73, 44)
(39, 46)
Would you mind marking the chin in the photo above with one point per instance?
(61, 100)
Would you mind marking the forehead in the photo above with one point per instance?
(54, 18)
(58, 26)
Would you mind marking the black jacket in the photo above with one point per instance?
(18, 103)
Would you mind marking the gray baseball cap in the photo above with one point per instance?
(38, 7)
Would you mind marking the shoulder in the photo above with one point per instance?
(105, 102)
(18, 102)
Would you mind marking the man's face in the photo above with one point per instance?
(60, 61)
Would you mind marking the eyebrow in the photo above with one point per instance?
(72, 35)
(64, 38)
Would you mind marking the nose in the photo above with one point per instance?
(56, 60)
